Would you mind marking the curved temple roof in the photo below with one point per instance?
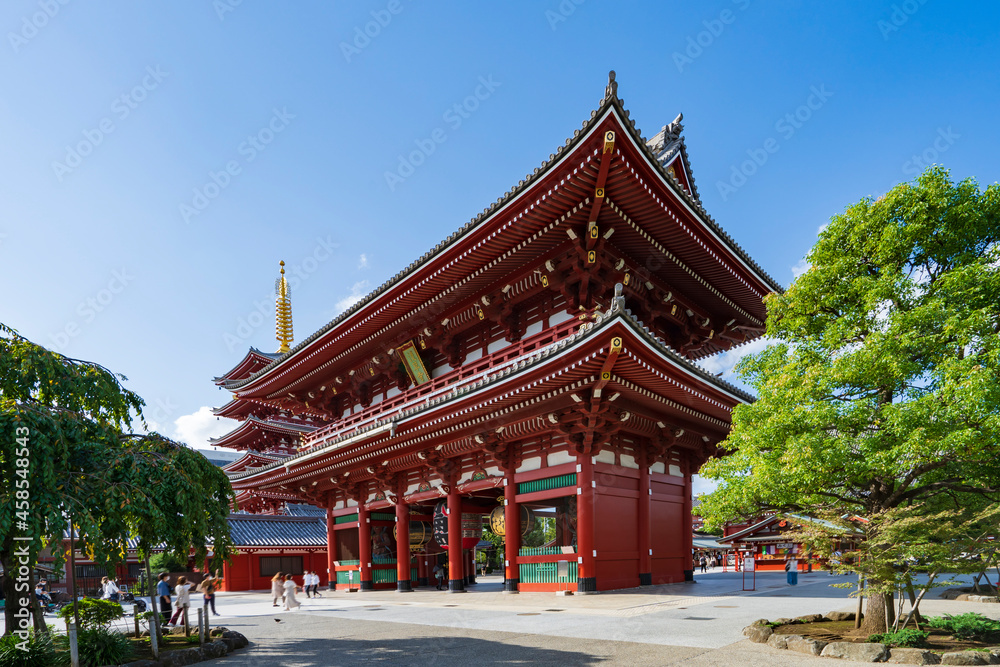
(610, 104)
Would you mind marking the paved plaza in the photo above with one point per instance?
(689, 624)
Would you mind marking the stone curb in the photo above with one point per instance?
(761, 632)
(227, 641)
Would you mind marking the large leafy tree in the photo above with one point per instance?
(84, 466)
(882, 390)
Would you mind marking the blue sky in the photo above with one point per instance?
(159, 159)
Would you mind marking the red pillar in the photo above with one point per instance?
(403, 547)
(644, 529)
(687, 530)
(422, 568)
(456, 575)
(512, 537)
(586, 580)
(365, 548)
(331, 547)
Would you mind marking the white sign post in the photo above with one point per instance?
(749, 566)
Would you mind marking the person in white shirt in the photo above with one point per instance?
(183, 601)
(109, 590)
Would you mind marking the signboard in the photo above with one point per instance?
(748, 564)
(414, 365)
(563, 569)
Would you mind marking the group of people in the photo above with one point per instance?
(182, 590)
(283, 586)
(710, 560)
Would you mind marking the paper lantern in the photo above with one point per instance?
(498, 520)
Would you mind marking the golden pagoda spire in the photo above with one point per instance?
(283, 311)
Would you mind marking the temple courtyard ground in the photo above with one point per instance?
(681, 624)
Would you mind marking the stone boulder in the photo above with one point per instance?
(804, 645)
(809, 618)
(780, 641)
(913, 656)
(858, 652)
(758, 633)
(216, 649)
(240, 640)
(840, 616)
(965, 658)
(784, 621)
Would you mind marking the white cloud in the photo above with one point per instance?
(358, 292)
(725, 363)
(801, 267)
(700, 485)
(196, 428)
(363, 261)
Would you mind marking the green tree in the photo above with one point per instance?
(65, 440)
(883, 388)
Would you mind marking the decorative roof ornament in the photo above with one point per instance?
(612, 88)
(283, 312)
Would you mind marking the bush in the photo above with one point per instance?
(93, 613)
(100, 646)
(167, 562)
(905, 638)
(966, 626)
(40, 651)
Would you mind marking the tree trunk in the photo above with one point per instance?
(879, 614)
(10, 595)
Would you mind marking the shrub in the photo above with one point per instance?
(906, 638)
(167, 562)
(93, 613)
(101, 646)
(40, 651)
(966, 626)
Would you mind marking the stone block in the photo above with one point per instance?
(758, 633)
(965, 658)
(779, 641)
(840, 615)
(809, 618)
(858, 652)
(805, 645)
(913, 656)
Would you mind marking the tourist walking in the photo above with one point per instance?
(290, 601)
(314, 577)
(277, 588)
(704, 563)
(438, 574)
(183, 601)
(163, 596)
(208, 587)
(792, 568)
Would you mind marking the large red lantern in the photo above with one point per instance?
(472, 527)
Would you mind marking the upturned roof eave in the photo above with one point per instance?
(617, 313)
(610, 102)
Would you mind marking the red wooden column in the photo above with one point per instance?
(403, 547)
(422, 568)
(456, 576)
(512, 537)
(687, 529)
(643, 528)
(331, 547)
(365, 548)
(586, 580)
